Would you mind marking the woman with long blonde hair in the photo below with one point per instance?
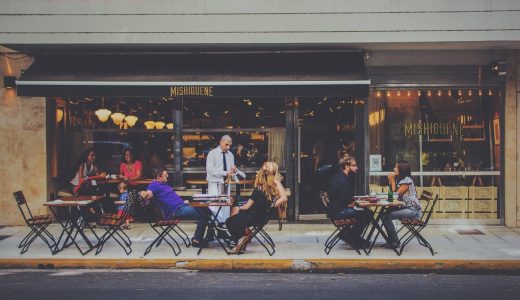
(268, 189)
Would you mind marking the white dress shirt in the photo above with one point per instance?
(215, 165)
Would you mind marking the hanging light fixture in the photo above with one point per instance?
(159, 125)
(102, 113)
(117, 117)
(149, 124)
(169, 125)
(131, 120)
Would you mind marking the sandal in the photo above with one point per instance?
(241, 245)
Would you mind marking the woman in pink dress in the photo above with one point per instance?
(130, 169)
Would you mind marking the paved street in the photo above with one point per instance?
(182, 284)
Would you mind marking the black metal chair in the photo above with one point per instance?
(163, 227)
(257, 232)
(38, 225)
(113, 225)
(413, 227)
(342, 227)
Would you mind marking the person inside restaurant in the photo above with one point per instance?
(341, 194)
(173, 207)
(130, 169)
(407, 206)
(85, 167)
(268, 188)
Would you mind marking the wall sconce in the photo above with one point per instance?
(59, 115)
(9, 82)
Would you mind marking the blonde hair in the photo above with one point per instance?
(266, 179)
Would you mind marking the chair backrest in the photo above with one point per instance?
(427, 196)
(325, 199)
(133, 196)
(22, 205)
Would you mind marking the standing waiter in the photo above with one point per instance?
(220, 164)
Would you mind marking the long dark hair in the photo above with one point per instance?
(404, 168)
(123, 160)
(72, 172)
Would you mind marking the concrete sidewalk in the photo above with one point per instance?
(299, 247)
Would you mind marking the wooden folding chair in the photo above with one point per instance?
(38, 225)
(163, 227)
(113, 225)
(413, 227)
(342, 227)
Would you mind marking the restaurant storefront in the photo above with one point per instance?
(172, 109)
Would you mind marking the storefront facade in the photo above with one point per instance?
(446, 111)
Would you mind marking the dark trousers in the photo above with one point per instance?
(238, 223)
(363, 217)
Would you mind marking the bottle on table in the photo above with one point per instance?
(390, 194)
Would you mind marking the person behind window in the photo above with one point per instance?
(407, 206)
(268, 188)
(130, 169)
(123, 197)
(341, 194)
(85, 166)
(173, 207)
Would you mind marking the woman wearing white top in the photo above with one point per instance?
(407, 204)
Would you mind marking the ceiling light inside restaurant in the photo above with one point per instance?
(103, 114)
(159, 125)
(117, 118)
(149, 124)
(169, 125)
(131, 120)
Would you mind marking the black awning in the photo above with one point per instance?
(215, 74)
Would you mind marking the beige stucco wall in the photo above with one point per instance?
(23, 155)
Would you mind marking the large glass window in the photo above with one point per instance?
(451, 137)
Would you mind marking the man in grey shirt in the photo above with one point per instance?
(220, 164)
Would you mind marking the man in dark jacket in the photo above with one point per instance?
(341, 194)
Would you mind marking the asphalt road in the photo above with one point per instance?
(179, 284)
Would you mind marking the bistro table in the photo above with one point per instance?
(212, 217)
(380, 208)
(74, 223)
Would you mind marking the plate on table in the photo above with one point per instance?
(84, 202)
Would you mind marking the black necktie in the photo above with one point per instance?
(224, 160)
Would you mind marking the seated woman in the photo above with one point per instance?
(268, 188)
(85, 167)
(407, 206)
(130, 169)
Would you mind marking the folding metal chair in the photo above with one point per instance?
(38, 225)
(413, 227)
(113, 225)
(163, 227)
(342, 226)
(257, 232)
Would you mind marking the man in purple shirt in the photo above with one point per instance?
(173, 207)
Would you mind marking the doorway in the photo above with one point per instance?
(328, 128)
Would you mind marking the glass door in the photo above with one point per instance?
(326, 130)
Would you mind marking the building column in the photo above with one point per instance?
(512, 129)
(24, 151)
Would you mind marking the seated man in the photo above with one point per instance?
(173, 207)
(341, 194)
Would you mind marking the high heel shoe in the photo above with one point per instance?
(241, 245)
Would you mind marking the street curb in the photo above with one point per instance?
(278, 265)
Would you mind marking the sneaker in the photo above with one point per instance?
(210, 236)
(392, 245)
(223, 235)
(221, 227)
